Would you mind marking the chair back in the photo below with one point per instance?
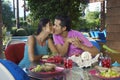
(5, 74)
(15, 52)
(11, 71)
(92, 34)
(13, 41)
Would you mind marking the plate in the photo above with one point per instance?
(95, 73)
(57, 70)
(48, 60)
(45, 75)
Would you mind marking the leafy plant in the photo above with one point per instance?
(21, 32)
(93, 19)
(6, 36)
(51, 8)
(7, 14)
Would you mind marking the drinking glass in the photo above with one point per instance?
(68, 63)
(106, 62)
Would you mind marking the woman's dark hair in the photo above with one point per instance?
(65, 21)
(42, 24)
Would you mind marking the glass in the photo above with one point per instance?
(100, 59)
(68, 63)
(106, 62)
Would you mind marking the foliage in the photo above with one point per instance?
(24, 31)
(21, 32)
(7, 14)
(93, 15)
(6, 35)
(93, 19)
(22, 22)
(33, 23)
(33, 30)
(3, 34)
(51, 8)
(13, 31)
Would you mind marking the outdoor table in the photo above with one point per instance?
(56, 76)
(75, 73)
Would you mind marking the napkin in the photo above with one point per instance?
(85, 59)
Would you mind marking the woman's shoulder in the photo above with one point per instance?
(31, 38)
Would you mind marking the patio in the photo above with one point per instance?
(111, 22)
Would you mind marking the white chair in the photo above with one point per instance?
(5, 74)
(11, 71)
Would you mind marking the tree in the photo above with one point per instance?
(14, 8)
(1, 24)
(24, 10)
(17, 18)
(50, 8)
(8, 14)
(93, 19)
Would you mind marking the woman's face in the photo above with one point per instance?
(49, 27)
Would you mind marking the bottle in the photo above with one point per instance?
(100, 59)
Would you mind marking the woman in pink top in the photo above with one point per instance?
(70, 42)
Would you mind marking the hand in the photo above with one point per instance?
(70, 40)
(77, 42)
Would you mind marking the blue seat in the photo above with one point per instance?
(101, 36)
(101, 41)
(105, 33)
(92, 34)
(94, 42)
(96, 45)
(96, 34)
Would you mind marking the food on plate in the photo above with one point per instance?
(45, 56)
(37, 68)
(52, 59)
(101, 69)
(116, 69)
(110, 73)
(50, 64)
(44, 68)
(49, 67)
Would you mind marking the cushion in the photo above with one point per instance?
(15, 52)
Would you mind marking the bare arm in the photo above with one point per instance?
(93, 50)
(63, 49)
(31, 43)
(52, 46)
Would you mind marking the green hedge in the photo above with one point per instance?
(21, 32)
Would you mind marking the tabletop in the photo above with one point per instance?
(75, 73)
(71, 70)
